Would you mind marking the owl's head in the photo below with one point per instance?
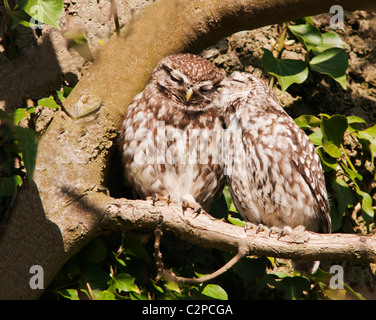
(237, 82)
(188, 80)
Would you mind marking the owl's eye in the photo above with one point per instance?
(176, 78)
(206, 88)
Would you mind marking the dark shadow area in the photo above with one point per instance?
(114, 175)
(29, 239)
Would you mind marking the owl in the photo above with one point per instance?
(273, 171)
(170, 135)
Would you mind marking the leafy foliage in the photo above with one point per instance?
(325, 54)
(349, 170)
(30, 12)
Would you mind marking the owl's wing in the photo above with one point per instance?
(308, 164)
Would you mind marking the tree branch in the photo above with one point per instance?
(206, 231)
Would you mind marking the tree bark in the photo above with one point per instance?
(66, 205)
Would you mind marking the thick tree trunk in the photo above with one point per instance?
(66, 205)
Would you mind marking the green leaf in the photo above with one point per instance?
(236, 221)
(332, 62)
(366, 204)
(18, 16)
(343, 192)
(124, 282)
(371, 131)
(354, 122)
(335, 217)
(105, 295)
(46, 11)
(328, 164)
(71, 294)
(229, 202)
(50, 101)
(363, 135)
(353, 175)
(8, 185)
(28, 144)
(172, 286)
(307, 121)
(294, 287)
(95, 276)
(19, 114)
(66, 91)
(307, 34)
(333, 130)
(136, 249)
(329, 40)
(215, 291)
(316, 138)
(287, 71)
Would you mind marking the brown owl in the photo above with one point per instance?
(274, 173)
(171, 133)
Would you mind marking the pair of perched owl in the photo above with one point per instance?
(172, 140)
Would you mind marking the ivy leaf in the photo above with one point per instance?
(71, 294)
(327, 164)
(343, 192)
(46, 11)
(335, 217)
(353, 175)
(287, 71)
(50, 101)
(236, 221)
(370, 140)
(333, 129)
(307, 34)
(354, 122)
(124, 282)
(8, 185)
(307, 121)
(215, 291)
(105, 295)
(332, 62)
(366, 205)
(329, 40)
(229, 202)
(136, 249)
(18, 16)
(27, 140)
(316, 138)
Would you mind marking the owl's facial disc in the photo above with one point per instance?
(188, 92)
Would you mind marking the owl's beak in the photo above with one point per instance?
(188, 94)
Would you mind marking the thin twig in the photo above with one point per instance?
(163, 272)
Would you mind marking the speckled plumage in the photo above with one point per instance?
(173, 125)
(276, 177)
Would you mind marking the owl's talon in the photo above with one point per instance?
(261, 227)
(197, 211)
(184, 205)
(285, 231)
(273, 230)
(154, 198)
